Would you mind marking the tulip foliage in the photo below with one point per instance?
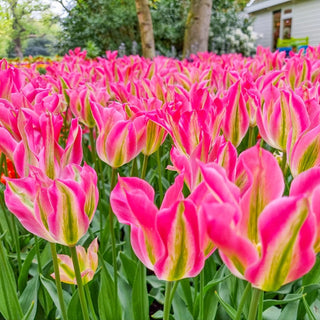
(184, 189)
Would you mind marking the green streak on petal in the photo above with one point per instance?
(257, 204)
(209, 248)
(309, 157)
(280, 264)
(67, 270)
(43, 215)
(237, 263)
(69, 223)
(149, 248)
(179, 255)
(283, 128)
(241, 180)
(24, 198)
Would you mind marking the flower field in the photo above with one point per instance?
(135, 189)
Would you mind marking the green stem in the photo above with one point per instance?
(36, 240)
(144, 166)
(77, 273)
(93, 145)
(3, 284)
(16, 241)
(159, 175)
(243, 301)
(170, 290)
(58, 282)
(201, 295)
(5, 213)
(251, 138)
(88, 295)
(256, 293)
(113, 239)
(134, 168)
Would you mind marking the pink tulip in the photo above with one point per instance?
(57, 210)
(88, 263)
(236, 122)
(283, 115)
(308, 183)
(305, 152)
(39, 144)
(265, 238)
(119, 140)
(169, 240)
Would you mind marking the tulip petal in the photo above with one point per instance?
(179, 230)
(287, 232)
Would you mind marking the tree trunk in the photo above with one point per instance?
(196, 34)
(146, 30)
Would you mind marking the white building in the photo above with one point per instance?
(285, 19)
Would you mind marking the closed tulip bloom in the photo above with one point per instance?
(265, 238)
(88, 263)
(169, 240)
(57, 210)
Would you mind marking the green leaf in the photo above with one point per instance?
(129, 267)
(272, 302)
(29, 298)
(272, 313)
(74, 307)
(308, 309)
(140, 304)
(109, 305)
(157, 315)
(9, 303)
(313, 276)
(187, 294)
(290, 311)
(50, 286)
(229, 309)
(24, 273)
(180, 309)
(29, 314)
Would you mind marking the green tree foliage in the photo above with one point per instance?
(100, 24)
(28, 27)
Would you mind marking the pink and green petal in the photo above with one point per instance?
(20, 195)
(287, 233)
(236, 121)
(236, 251)
(179, 230)
(119, 201)
(69, 222)
(266, 185)
(306, 152)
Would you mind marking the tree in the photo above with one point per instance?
(26, 20)
(197, 27)
(100, 24)
(146, 30)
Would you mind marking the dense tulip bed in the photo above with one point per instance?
(161, 189)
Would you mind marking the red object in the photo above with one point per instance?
(11, 172)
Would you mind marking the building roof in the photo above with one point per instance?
(257, 5)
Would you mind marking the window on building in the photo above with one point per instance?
(276, 27)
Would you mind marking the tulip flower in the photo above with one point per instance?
(88, 263)
(169, 240)
(305, 152)
(119, 140)
(58, 210)
(236, 122)
(283, 115)
(266, 239)
(308, 183)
